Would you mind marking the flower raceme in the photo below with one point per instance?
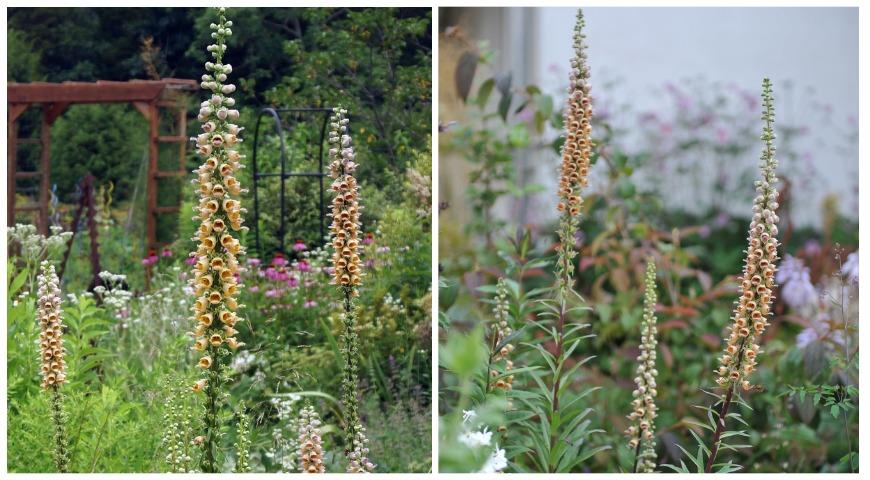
(347, 274)
(216, 269)
(501, 330)
(215, 278)
(52, 352)
(51, 328)
(310, 443)
(345, 204)
(578, 117)
(576, 153)
(757, 282)
(641, 432)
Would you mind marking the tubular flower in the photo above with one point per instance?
(345, 205)
(358, 456)
(51, 328)
(576, 153)
(347, 273)
(759, 270)
(52, 351)
(501, 330)
(310, 443)
(220, 214)
(641, 432)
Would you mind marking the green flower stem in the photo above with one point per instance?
(58, 417)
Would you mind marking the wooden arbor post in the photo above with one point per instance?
(50, 112)
(146, 95)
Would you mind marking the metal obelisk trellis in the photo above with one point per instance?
(275, 115)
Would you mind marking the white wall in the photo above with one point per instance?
(811, 48)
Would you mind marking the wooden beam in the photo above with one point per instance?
(177, 173)
(11, 166)
(171, 139)
(169, 209)
(45, 168)
(151, 190)
(55, 110)
(144, 108)
(81, 92)
(15, 111)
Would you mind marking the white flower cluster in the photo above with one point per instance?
(285, 435)
(113, 294)
(394, 305)
(34, 246)
(496, 461)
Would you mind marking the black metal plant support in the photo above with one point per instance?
(284, 174)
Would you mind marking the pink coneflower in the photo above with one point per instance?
(309, 304)
(166, 253)
(190, 261)
(151, 259)
(271, 293)
(299, 246)
(279, 260)
(369, 239)
(254, 262)
(303, 266)
(253, 289)
(293, 282)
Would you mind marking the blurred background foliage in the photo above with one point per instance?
(506, 136)
(375, 62)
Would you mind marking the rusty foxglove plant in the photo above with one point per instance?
(347, 275)
(641, 431)
(215, 274)
(52, 352)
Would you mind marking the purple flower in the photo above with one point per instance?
(797, 289)
(806, 337)
(721, 220)
(293, 282)
(299, 246)
(303, 266)
(309, 304)
(190, 260)
(271, 293)
(382, 249)
(721, 136)
(253, 289)
(253, 262)
(166, 253)
(812, 248)
(850, 268)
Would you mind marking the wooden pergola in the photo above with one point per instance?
(148, 96)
